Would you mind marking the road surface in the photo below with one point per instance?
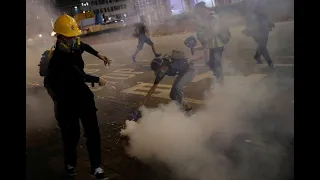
(128, 83)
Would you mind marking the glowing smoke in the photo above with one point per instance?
(199, 147)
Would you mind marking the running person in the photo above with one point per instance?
(141, 33)
(258, 27)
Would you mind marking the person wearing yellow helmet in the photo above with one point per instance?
(67, 31)
(74, 100)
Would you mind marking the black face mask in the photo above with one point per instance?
(71, 45)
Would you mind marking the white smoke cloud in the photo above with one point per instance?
(198, 147)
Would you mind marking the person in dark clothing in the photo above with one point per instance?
(74, 100)
(174, 65)
(209, 30)
(141, 32)
(258, 27)
(83, 47)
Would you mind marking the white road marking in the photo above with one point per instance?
(202, 76)
(285, 57)
(111, 82)
(127, 71)
(231, 79)
(122, 74)
(284, 65)
(91, 70)
(162, 91)
(143, 61)
(118, 65)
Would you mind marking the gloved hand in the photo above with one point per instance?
(136, 115)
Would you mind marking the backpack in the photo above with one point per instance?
(44, 62)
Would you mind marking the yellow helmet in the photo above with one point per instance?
(66, 26)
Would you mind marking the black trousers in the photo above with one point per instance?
(68, 118)
(262, 41)
(214, 63)
(51, 94)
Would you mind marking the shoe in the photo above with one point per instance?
(220, 81)
(133, 58)
(98, 173)
(187, 107)
(271, 65)
(158, 55)
(71, 171)
(259, 61)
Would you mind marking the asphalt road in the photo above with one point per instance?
(128, 82)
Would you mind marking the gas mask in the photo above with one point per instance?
(71, 44)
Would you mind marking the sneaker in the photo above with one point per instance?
(187, 107)
(271, 65)
(133, 58)
(98, 173)
(220, 81)
(71, 171)
(258, 60)
(158, 55)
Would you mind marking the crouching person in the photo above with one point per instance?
(175, 65)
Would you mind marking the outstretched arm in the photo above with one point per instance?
(159, 77)
(89, 49)
(150, 92)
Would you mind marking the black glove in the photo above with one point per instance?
(136, 115)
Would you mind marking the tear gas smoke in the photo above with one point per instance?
(38, 25)
(213, 143)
